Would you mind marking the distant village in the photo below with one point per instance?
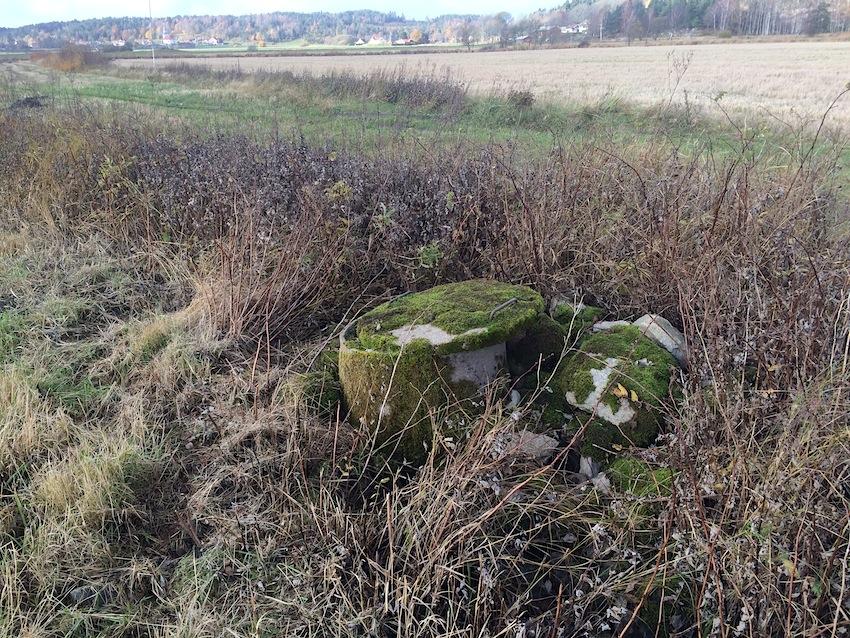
(543, 34)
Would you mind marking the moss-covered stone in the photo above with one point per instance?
(576, 319)
(474, 314)
(392, 394)
(556, 412)
(420, 358)
(540, 344)
(621, 379)
(599, 440)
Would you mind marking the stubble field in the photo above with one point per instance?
(790, 81)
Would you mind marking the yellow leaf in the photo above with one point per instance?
(634, 396)
(790, 567)
(620, 391)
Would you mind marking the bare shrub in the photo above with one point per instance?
(418, 87)
(72, 58)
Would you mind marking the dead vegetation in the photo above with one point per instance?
(160, 287)
(70, 59)
(786, 82)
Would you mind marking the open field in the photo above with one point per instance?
(753, 80)
(183, 453)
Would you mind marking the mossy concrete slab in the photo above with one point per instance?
(458, 317)
(575, 317)
(422, 356)
(542, 345)
(621, 379)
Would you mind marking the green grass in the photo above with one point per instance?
(284, 107)
(321, 118)
(12, 327)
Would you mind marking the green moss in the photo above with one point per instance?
(637, 477)
(395, 395)
(640, 380)
(542, 343)
(457, 309)
(600, 441)
(397, 392)
(556, 411)
(576, 319)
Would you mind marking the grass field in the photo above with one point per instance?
(180, 252)
(271, 103)
(785, 81)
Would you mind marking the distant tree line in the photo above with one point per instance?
(344, 27)
(577, 18)
(653, 18)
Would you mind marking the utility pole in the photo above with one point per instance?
(153, 52)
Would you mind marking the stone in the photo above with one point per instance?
(620, 380)
(526, 445)
(663, 333)
(604, 326)
(541, 346)
(423, 357)
(91, 596)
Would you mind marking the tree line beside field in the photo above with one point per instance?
(577, 19)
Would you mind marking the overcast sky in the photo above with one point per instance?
(14, 13)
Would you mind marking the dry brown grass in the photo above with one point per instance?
(761, 80)
(68, 60)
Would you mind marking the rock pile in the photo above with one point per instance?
(424, 358)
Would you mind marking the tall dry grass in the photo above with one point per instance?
(792, 82)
